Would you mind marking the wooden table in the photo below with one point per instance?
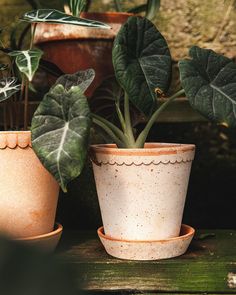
(209, 266)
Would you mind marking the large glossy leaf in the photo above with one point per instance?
(142, 62)
(209, 81)
(8, 87)
(83, 79)
(58, 17)
(27, 61)
(60, 131)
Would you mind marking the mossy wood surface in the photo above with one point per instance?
(209, 266)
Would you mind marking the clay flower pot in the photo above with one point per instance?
(142, 191)
(74, 48)
(29, 193)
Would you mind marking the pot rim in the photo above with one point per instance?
(16, 132)
(150, 149)
(188, 231)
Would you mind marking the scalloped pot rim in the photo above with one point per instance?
(13, 139)
(150, 149)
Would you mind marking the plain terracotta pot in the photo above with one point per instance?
(142, 191)
(28, 192)
(74, 48)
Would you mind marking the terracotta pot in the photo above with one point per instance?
(74, 48)
(29, 193)
(142, 191)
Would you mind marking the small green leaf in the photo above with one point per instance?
(209, 81)
(83, 79)
(58, 17)
(27, 61)
(8, 87)
(153, 7)
(142, 62)
(3, 67)
(60, 132)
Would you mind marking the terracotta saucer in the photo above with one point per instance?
(148, 250)
(46, 242)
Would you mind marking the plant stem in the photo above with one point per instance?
(26, 103)
(143, 135)
(120, 116)
(118, 5)
(111, 126)
(128, 126)
(118, 142)
(34, 25)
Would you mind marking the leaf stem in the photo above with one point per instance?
(120, 116)
(143, 135)
(118, 142)
(128, 126)
(34, 25)
(118, 5)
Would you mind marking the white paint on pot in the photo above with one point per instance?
(142, 191)
(28, 192)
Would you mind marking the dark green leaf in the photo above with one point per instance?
(50, 68)
(8, 86)
(142, 62)
(3, 67)
(58, 17)
(209, 81)
(104, 99)
(83, 79)
(60, 132)
(27, 61)
(153, 7)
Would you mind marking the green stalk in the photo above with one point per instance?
(34, 25)
(118, 142)
(120, 116)
(128, 125)
(143, 135)
(118, 5)
(118, 133)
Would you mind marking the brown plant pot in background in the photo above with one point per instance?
(74, 48)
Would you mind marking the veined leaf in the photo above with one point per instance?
(8, 87)
(58, 17)
(83, 79)
(142, 62)
(27, 61)
(209, 81)
(60, 132)
(153, 7)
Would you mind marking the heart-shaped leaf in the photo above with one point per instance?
(60, 132)
(58, 17)
(209, 81)
(27, 61)
(8, 87)
(83, 79)
(142, 62)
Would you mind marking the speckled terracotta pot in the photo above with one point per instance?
(142, 191)
(28, 192)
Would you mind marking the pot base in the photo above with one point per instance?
(148, 250)
(46, 242)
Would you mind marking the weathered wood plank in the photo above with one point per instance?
(206, 268)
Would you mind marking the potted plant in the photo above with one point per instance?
(28, 191)
(141, 186)
(86, 48)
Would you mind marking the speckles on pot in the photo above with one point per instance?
(131, 196)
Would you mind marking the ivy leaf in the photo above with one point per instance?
(60, 132)
(8, 87)
(58, 17)
(83, 79)
(209, 81)
(142, 62)
(27, 61)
